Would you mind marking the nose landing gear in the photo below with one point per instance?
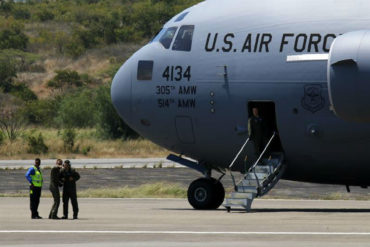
(206, 193)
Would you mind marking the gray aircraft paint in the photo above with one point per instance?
(335, 153)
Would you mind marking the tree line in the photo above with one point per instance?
(77, 101)
(87, 23)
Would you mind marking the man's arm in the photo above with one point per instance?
(61, 177)
(31, 171)
(76, 175)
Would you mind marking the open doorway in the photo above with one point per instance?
(266, 111)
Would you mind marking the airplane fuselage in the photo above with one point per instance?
(196, 102)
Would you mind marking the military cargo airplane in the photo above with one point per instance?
(305, 65)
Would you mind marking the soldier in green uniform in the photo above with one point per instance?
(55, 182)
(34, 177)
(69, 177)
(257, 131)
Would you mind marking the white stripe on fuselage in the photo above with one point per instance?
(307, 57)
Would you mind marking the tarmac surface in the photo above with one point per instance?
(171, 222)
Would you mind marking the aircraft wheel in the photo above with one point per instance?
(220, 194)
(205, 193)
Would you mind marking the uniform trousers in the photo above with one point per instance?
(70, 194)
(35, 194)
(56, 196)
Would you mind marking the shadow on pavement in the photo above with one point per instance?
(282, 210)
(312, 210)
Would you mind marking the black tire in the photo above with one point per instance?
(220, 194)
(206, 193)
(201, 193)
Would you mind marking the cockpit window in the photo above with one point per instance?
(165, 36)
(158, 35)
(184, 39)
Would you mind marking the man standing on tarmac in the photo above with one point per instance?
(69, 177)
(55, 182)
(34, 177)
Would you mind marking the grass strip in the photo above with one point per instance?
(156, 190)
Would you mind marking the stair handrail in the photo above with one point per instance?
(253, 168)
(237, 155)
(263, 152)
(272, 183)
(235, 158)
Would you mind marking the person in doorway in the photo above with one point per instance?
(55, 183)
(69, 177)
(34, 177)
(257, 131)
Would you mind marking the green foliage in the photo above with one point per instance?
(11, 119)
(21, 91)
(77, 110)
(85, 24)
(86, 37)
(65, 78)
(75, 48)
(45, 15)
(41, 112)
(69, 137)
(6, 6)
(8, 72)
(61, 40)
(21, 13)
(12, 61)
(12, 37)
(36, 145)
(23, 61)
(2, 137)
(75, 27)
(86, 150)
(112, 70)
(109, 123)
(157, 190)
(148, 16)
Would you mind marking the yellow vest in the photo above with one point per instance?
(37, 178)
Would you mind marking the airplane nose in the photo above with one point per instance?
(121, 92)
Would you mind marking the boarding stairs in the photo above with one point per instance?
(259, 179)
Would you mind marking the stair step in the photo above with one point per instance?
(247, 189)
(241, 195)
(259, 175)
(237, 202)
(265, 169)
(250, 182)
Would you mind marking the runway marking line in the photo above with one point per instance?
(187, 232)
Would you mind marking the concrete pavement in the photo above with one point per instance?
(171, 222)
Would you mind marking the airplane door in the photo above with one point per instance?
(266, 110)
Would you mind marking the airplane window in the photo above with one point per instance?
(145, 70)
(181, 17)
(158, 35)
(184, 39)
(167, 37)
